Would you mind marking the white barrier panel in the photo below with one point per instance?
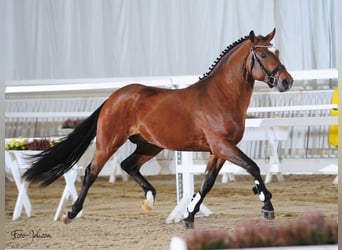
(17, 161)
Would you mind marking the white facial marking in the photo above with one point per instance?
(193, 203)
(272, 49)
(256, 182)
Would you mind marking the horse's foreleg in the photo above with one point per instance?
(213, 168)
(260, 189)
(236, 156)
(132, 165)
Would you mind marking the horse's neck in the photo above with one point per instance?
(231, 84)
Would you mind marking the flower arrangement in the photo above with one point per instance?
(16, 144)
(23, 144)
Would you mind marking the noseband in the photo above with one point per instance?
(272, 80)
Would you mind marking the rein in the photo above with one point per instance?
(272, 80)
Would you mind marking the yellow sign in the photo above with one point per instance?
(333, 133)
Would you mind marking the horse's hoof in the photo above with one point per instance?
(269, 215)
(188, 224)
(66, 219)
(149, 202)
(146, 207)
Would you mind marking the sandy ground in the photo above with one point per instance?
(113, 218)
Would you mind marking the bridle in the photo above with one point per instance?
(272, 80)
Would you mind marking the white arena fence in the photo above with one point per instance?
(38, 108)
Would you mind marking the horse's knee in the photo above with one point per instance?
(124, 166)
(129, 166)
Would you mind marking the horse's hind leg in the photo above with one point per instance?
(78, 204)
(91, 173)
(132, 165)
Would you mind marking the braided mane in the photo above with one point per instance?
(223, 53)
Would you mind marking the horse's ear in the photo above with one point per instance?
(270, 36)
(252, 36)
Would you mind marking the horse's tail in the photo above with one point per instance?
(54, 162)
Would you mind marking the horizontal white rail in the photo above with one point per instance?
(46, 114)
(291, 121)
(314, 74)
(114, 83)
(81, 85)
(251, 109)
(257, 120)
(292, 108)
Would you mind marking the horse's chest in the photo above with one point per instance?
(232, 129)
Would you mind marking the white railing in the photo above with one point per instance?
(65, 85)
(37, 108)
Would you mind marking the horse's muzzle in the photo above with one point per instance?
(285, 84)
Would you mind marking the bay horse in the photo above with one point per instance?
(207, 116)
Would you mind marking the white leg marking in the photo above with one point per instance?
(194, 202)
(261, 194)
(150, 199)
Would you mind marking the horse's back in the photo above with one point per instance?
(164, 117)
(140, 97)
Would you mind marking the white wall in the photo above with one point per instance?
(48, 39)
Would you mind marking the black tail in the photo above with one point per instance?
(52, 163)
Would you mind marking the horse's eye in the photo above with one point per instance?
(263, 55)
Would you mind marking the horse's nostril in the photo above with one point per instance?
(286, 82)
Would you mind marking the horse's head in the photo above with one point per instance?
(265, 64)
